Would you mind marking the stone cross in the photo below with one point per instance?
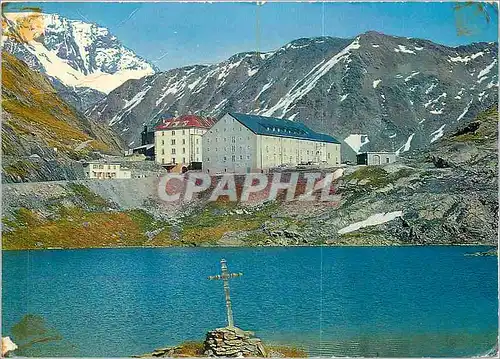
(225, 276)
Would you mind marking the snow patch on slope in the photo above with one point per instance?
(403, 49)
(413, 74)
(373, 220)
(465, 59)
(487, 69)
(464, 112)
(406, 146)
(437, 134)
(356, 141)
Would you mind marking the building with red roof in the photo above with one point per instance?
(185, 121)
(178, 142)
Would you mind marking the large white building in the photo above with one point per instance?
(242, 143)
(178, 141)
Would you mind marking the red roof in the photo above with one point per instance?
(185, 121)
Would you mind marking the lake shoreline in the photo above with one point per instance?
(491, 246)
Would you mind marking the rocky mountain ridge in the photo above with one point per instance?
(375, 91)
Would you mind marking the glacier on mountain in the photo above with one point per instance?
(76, 53)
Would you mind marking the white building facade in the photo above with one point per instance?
(240, 143)
(104, 170)
(178, 141)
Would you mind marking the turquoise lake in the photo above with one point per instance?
(332, 301)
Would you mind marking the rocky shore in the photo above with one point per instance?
(227, 342)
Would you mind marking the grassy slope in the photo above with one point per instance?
(71, 226)
(32, 110)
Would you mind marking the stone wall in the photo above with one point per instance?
(233, 342)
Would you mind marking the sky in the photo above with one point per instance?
(179, 34)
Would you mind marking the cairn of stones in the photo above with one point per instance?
(233, 342)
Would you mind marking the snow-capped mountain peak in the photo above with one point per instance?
(76, 53)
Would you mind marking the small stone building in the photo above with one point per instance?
(375, 158)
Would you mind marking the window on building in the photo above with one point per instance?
(233, 139)
(173, 151)
(197, 141)
(173, 133)
(241, 157)
(387, 160)
(173, 142)
(233, 148)
(183, 132)
(183, 159)
(208, 140)
(328, 155)
(233, 158)
(183, 141)
(162, 133)
(208, 159)
(163, 161)
(173, 160)
(197, 150)
(248, 157)
(162, 142)
(162, 151)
